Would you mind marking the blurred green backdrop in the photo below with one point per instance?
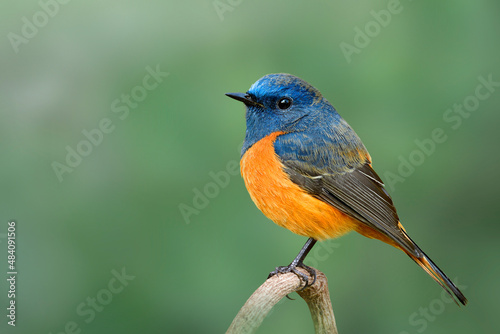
(68, 69)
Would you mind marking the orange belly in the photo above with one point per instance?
(283, 201)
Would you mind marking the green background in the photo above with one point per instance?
(120, 206)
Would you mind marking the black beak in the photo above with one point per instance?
(245, 98)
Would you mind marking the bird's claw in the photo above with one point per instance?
(301, 275)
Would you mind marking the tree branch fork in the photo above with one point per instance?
(257, 307)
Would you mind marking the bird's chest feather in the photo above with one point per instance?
(266, 181)
(283, 201)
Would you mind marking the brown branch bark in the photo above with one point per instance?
(273, 290)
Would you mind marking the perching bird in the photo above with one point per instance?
(307, 170)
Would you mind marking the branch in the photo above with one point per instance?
(273, 290)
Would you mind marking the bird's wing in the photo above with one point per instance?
(344, 180)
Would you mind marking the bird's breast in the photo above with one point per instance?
(283, 201)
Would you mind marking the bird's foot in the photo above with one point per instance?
(293, 268)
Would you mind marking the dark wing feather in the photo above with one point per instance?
(358, 193)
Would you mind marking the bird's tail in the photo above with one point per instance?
(438, 275)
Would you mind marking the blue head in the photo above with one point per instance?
(285, 103)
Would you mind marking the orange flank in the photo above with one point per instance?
(371, 233)
(283, 201)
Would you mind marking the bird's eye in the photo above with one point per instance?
(284, 103)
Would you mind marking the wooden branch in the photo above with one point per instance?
(317, 298)
(273, 290)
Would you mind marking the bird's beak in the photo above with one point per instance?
(245, 98)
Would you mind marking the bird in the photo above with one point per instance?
(308, 171)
